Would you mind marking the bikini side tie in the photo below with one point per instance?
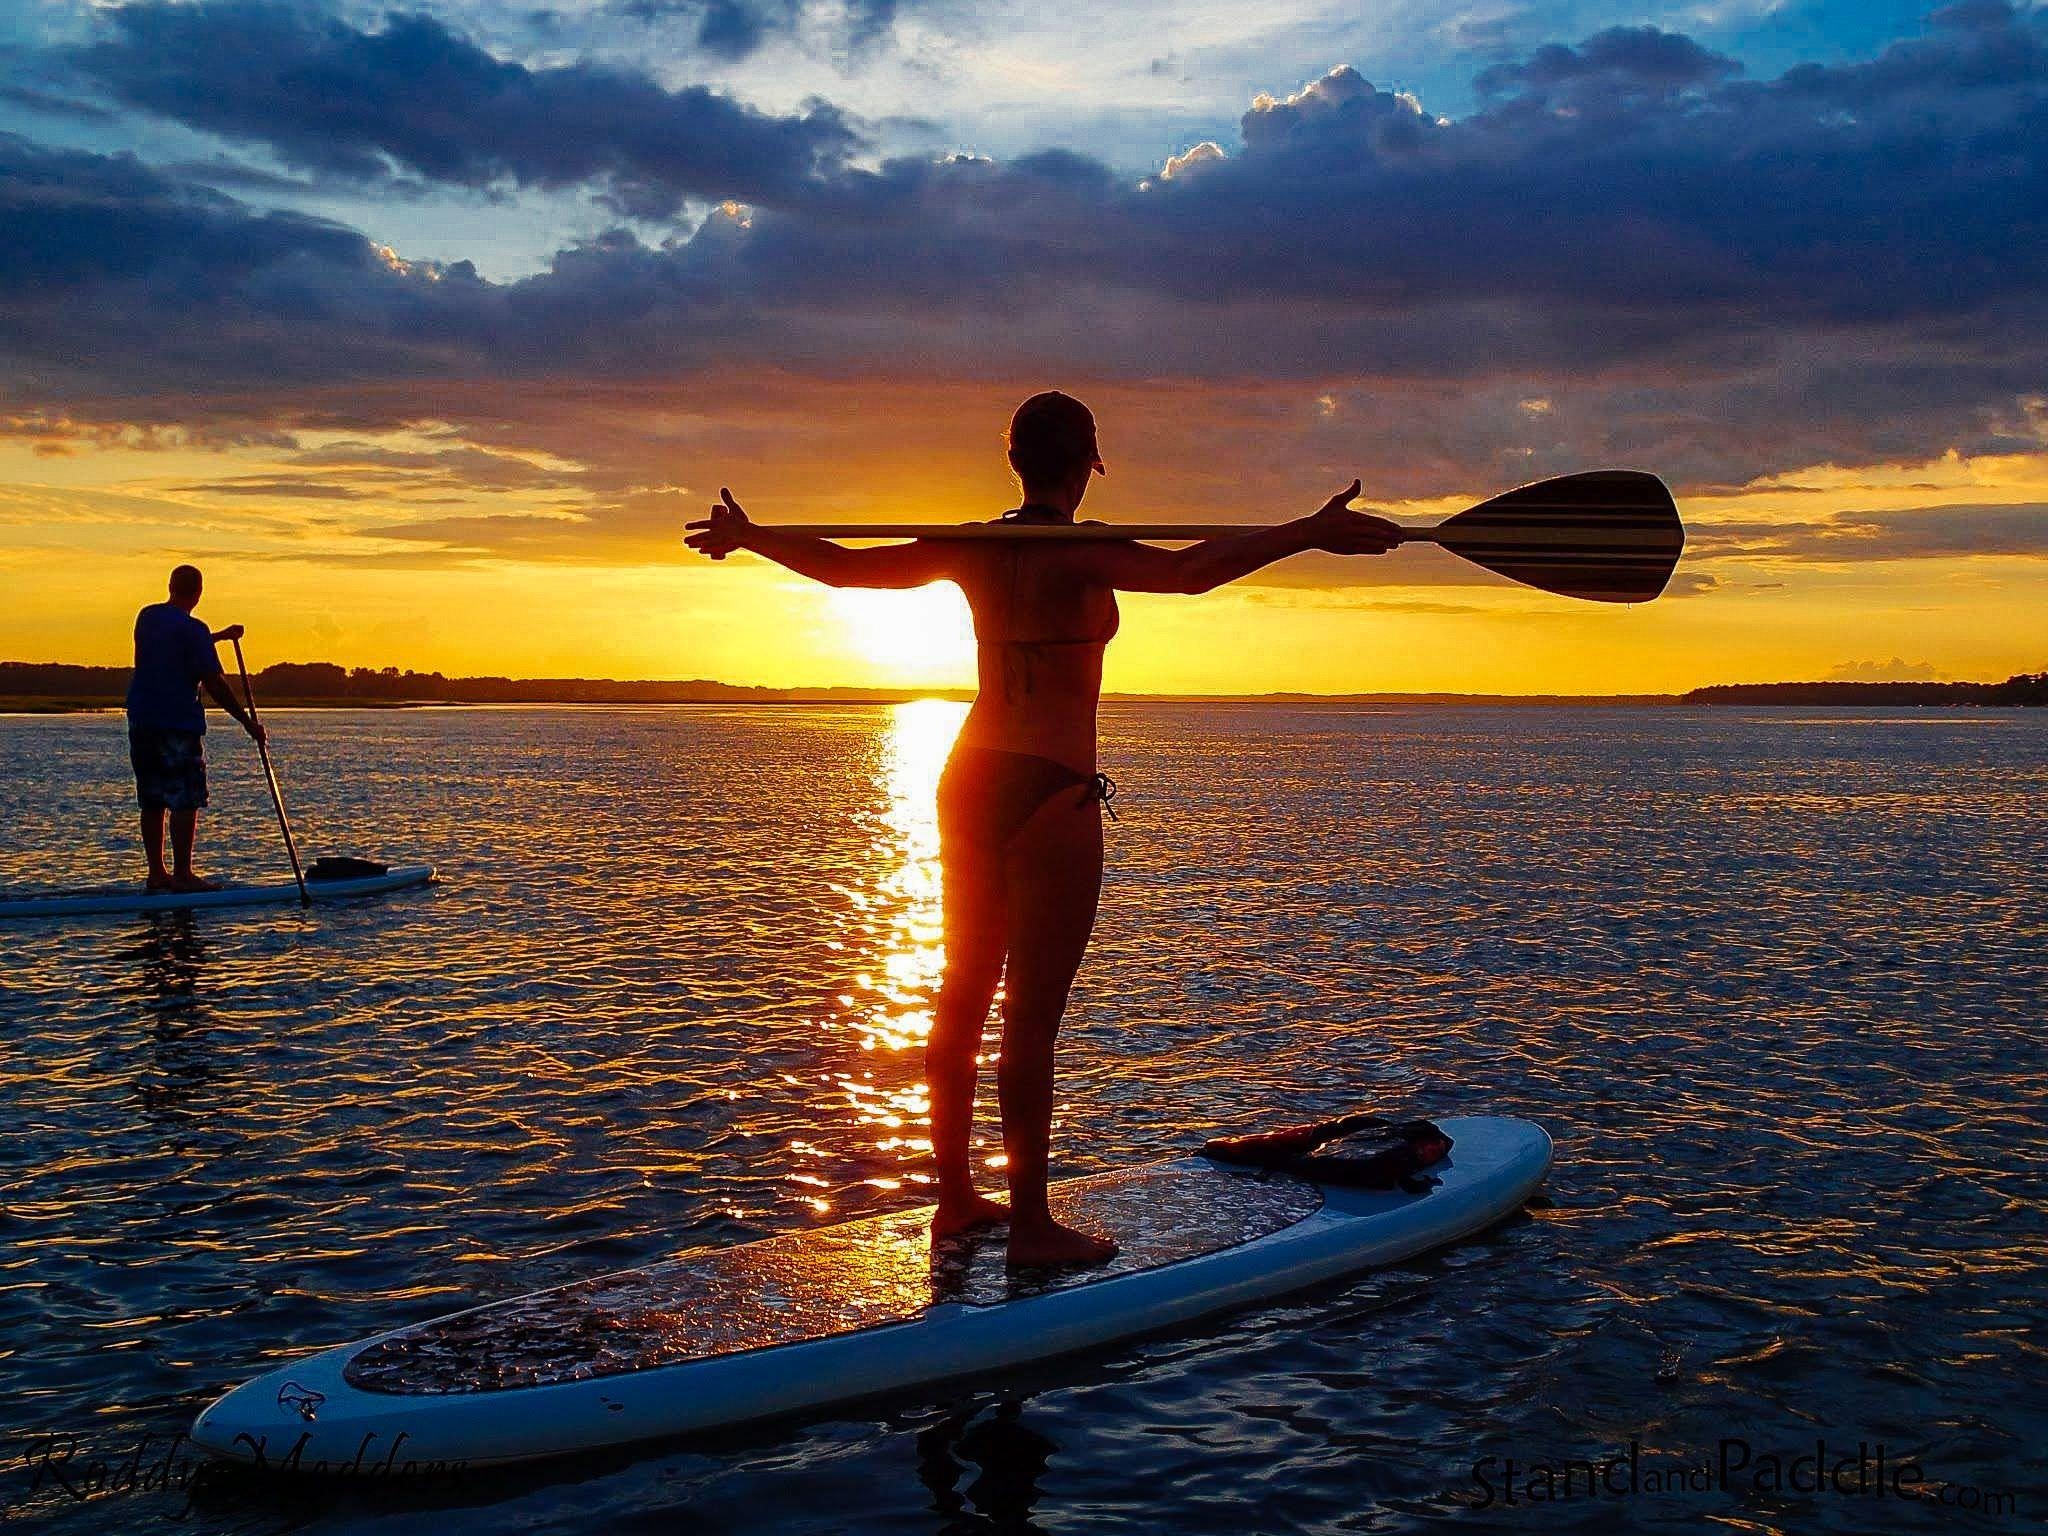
(1101, 790)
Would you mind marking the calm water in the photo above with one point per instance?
(1774, 981)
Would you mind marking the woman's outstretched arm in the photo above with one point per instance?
(891, 565)
(1210, 564)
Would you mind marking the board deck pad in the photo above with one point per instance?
(817, 1284)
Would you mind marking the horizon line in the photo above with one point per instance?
(886, 692)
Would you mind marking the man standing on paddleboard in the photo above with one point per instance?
(174, 659)
(1021, 800)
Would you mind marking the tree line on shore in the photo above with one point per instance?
(325, 682)
(2021, 688)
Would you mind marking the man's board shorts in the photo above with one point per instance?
(170, 768)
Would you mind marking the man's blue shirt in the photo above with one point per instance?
(173, 652)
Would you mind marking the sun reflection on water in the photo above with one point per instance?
(906, 851)
(898, 931)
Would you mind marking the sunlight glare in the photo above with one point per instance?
(923, 636)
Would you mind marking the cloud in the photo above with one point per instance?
(1897, 670)
(48, 104)
(735, 29)
(118, 278)
(1618, 63)
(1927, 533)
(220, 171)
(1715, 277)
(464, 465)
(329, 97)
(1344, 599)
(270, 485)
(643, 526)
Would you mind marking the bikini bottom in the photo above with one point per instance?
(986, 795)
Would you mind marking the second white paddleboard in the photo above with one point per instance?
(135, 899)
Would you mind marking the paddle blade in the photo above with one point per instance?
(1611, 536)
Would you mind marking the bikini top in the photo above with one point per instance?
(1105, 629)
(1021, 654)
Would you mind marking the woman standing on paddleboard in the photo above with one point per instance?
(1020, 803)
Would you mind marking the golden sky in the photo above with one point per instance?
(472, 551)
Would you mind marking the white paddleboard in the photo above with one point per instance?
(800, 1322)
(134, 899)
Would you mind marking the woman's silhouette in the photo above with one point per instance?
(1020, 803)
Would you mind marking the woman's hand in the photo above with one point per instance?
(1335, 527)
(724, 531)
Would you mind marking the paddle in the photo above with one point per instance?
(1609, 535)
(270, 774)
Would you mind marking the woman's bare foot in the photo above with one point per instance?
(1051, 1243)
(188, 882)
(157, 884)
(956, 1216)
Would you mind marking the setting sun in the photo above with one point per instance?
(922, 637)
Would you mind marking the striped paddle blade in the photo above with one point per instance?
(1611, 535)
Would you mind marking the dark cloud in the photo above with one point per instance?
(1897, 670)
(1687, 271)
(644, 526)
(258, 485)
(1622, 61)
(234, 175)
(326, 96)
(116, 279)
(1342, 599)
(48, 104)
(1330, 581)
(1924, 533)
(467, 466)
(78, 221)
(1693, 233)
(733, 29)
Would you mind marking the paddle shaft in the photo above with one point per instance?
(1067, 533)
(270, 776)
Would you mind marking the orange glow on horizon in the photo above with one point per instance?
(549, 546)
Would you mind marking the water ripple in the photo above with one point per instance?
(1775, 983)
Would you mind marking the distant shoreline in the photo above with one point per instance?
(59, 688)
